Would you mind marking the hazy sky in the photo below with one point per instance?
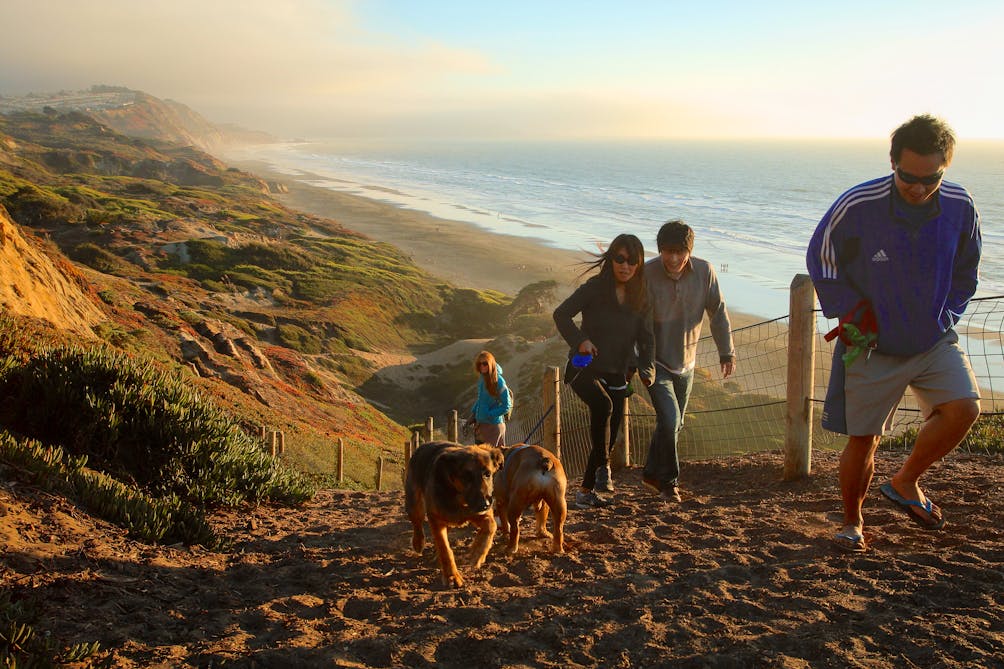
(623, 68)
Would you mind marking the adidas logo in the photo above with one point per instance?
(880, 256)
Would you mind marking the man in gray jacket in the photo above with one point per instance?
(681, 289)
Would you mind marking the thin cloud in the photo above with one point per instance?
(230, 59)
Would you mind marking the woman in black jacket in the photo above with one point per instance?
(616, 331)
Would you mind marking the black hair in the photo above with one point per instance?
(675, 235)
(923, 134)
(636, 293)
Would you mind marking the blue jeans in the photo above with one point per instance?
(669, 393)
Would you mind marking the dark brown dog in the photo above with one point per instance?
(452, 485)
(531, 476)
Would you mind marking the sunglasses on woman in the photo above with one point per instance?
(620, 259)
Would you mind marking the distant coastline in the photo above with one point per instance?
(753, 205)
(461, 253)
(458, 252)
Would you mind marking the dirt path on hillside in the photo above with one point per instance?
(740, 574)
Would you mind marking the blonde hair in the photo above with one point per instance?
(491, 376)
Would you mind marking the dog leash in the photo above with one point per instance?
(580, 362)
(536, 427)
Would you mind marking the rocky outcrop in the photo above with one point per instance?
(193, 351)
(33, 284)
(226, 341)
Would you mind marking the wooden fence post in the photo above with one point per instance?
(379, 473)
(282, 443)
(451, 426)
(407, 459)
(620, 455)
(274, 449)
(429, 430)
(551, 394)
(801, 369)
(340, 458)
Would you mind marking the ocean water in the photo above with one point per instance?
(753, 204)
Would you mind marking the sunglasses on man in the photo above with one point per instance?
(911, 179)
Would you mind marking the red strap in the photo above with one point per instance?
(867, 324)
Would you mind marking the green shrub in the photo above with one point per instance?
(141, 424)
(166, 520)
(318, 289)
(986, 436)
(39, 207)
(298, 339)
(208, 252)
(252, 276)
(532, 326)
(22, 646)
(98, 258)
(273, 257)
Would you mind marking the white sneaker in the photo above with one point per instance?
(589, 499)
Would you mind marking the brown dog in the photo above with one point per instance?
(451, 485)
(531, 476)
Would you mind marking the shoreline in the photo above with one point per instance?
(465, 254)
(461, 253)
(458, 252)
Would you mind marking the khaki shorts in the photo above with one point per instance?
(871, 389)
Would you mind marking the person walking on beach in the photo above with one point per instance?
(897, 260)
(682, 289)
(614, 335)
(493, 403)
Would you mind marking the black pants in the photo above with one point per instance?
(606, 413)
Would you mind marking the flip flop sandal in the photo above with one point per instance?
(850, 542)
(932, 522)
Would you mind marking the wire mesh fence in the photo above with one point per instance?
(746, 413)
(980, 335)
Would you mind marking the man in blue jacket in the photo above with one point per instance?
(897, 260)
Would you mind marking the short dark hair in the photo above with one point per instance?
(675, 235)
(923, 134)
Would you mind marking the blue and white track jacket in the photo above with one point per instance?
(919, 278)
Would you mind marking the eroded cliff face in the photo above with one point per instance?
(32, 284)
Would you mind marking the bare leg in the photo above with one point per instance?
(939, 434)
(857, 466)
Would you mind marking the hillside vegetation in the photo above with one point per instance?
(196, 264)
(163, 313)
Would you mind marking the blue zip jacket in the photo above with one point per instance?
(919, 277)
(488, 409)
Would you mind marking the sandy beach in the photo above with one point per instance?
(461, 253)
